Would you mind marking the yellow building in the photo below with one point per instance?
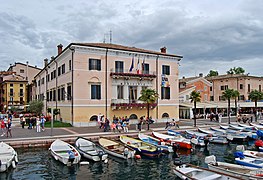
(88, 79)
(13, 92)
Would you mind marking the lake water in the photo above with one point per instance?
(38, 164)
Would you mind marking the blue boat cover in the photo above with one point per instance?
(239, 154)
(260, 133)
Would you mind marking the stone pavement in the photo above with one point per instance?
(24, 135)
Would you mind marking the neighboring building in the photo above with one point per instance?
(243, 83)
(88, 79)
(24, 70)
(200, 85)
(28, 72)
(13, 92)
(186, 86)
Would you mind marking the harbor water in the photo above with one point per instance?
(38, 164)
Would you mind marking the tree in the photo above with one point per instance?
(255, 95)
(235, 95)
(228, 94)
(36, 106)
(195, 97)
(212, 73)
(149, 96)
(236, 70)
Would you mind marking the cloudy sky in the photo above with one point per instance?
(209, 34)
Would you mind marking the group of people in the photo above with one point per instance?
(35, 121)
(118, 124)
(6, 123)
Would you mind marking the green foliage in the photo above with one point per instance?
(236, 70)
(36, 106)
(195, 97)
(255, 95)
(212, 73)
(56, 111)
(57, 124)
(228, 94)
(148, 96)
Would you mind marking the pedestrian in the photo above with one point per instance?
(102, 121)
(23, 121)
(220, 117)
(5, 121)
(113, 126)
(42, 123)
(125, 128)
(2, 127)
(8, 131)
(38, 124)
(30, 123)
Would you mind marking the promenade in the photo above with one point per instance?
(30, 138)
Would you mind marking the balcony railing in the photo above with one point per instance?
(129, 103)
(134, 73)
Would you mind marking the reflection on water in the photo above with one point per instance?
(38, 164)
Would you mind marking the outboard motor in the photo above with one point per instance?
(71, 157)
(126, 152)
(100, 153)
(239, 154)
(175, 149)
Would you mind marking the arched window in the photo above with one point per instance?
(165, 115)
(94, 118)
(133, 116)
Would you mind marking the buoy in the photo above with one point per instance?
(137, 156)
(106, 161)
(84, 163)
(13, 164)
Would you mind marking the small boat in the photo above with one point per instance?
(196, 138)
(8, 157)
(116, 149)
(241, 159)
(90, 150)
(248, 128)
(232, 135)
(239, 171)
(64, 152)
(177, 139)
(251, 133)
(258, 126)
(156, 142)
(215, 137)
(141, 147)
(195, 172)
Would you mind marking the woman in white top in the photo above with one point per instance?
(38, 124)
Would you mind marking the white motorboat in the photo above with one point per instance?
(64, 152)
(258, 126)
(8, 157)
(239, 171)
(90, 150)
(214, 136)
(116, 149)
(194, 172)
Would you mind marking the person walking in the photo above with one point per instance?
(23, 121)
(2, 127)
(38, 125)
(9, 123)
(42, 123)
(125, 127)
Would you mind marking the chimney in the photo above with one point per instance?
(60, 46)
(200, 74)
(163, 50)
(45, 62)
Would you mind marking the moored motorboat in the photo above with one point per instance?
(141, 147)
(258, 126)
(8, 157)
(64, 152)
(90, 150)
(156, 142)
(116, 149)
(177, 139)
(239, 171)
(232, 135)
(214, 136)
(195, 172)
